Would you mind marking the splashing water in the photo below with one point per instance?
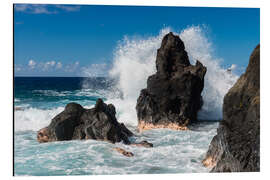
(134, 61)
(34, 119)
(217, 80)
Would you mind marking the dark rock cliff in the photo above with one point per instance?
(173, 95)
(236, 147)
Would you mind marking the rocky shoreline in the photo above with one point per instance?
(172, 100)
(142, 126)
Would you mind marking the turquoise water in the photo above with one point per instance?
(173, 152)
(41, 99)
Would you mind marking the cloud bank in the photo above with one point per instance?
(45, 9)
(95, 70)
(58, 68)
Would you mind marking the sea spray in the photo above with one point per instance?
(134, 62)
(34, 119)
(217, 80)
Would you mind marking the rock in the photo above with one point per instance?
(173, 95)
(236, 147)
(124, 152)
(75, 122)
(143, 144)
(18, 108)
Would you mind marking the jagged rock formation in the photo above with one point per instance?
(98, 123)
(173, 95)
(236, 147)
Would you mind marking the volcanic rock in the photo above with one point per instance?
(173, 94)
(124, 152)
(76, 122)
(236, 147)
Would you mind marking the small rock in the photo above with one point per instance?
(124, 152)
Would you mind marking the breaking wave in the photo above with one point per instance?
(134, 61)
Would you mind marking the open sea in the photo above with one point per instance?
(38, 99)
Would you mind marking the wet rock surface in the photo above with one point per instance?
(98, 123)
(173, 95)
(123, 152)
(236, 147)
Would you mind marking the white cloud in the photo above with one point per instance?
(21, 7)
(32, 64)
(41, 9)
(58, 65)
(19, 22)
(95, 70)
(48, 65)
(45, 9)
(51, 63)
(18, 67)
(72, 67)
(34, 8)
(68, 8)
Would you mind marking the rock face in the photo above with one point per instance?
(75, 122)
(236, 147)
(173, 95)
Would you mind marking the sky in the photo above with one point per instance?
(79, 40)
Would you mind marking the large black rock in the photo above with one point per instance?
(75, 122)
(173, 95)
(236, 147)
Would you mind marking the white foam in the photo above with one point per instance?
(173, 152)
(134, 62)
(34, 119)
(52, 92)
(90, 93)
(217, 80)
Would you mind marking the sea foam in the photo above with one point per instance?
(33, 118)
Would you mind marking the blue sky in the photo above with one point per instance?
(64, 40)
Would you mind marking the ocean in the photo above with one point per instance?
(38, 99)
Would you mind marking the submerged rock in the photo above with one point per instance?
(76, 122)
(236, 147)
(124, 152)
(173, 95)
